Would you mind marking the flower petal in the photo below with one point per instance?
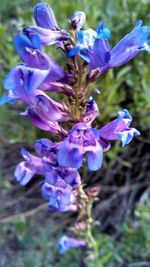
(44, 16)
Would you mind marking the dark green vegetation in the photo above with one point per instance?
(123, 210)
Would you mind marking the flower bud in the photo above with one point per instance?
(78, 20)
(44, 16)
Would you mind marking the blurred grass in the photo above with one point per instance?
(29, 244)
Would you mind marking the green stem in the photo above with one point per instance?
(92, 243)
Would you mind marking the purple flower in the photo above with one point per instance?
(94, 47)
(50, 110)
(118, 129)
(80, 140)
(65, 243)
(44, 16)
(46, 125)
(88, 41)
(126, 49)
(25, 170)
(47, 37)
(24, 80)
(31, 53)
(53, 172)
(59, 184)
(46, 26)
(57, 87)
(37, 69)
(44, 147)
(130, 45)
(58, 195)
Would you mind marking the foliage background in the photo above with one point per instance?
(26, 235)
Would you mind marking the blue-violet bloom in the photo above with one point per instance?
(65, 243)
(119, 129)
(80, 140)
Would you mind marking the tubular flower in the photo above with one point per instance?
(80, 140)
(38, 72)
(53, 172)
(44, 16)
(130, 45)
(58, 195)
(119, 129)
(88, 40)
(47, 27)
(59, 182)
(27, 169)
(94, 48)
(50, 110)
(65, 243)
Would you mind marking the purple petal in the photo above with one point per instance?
(95, 158)
(119, 129)
(23, 173)
(99, 55)
(9, 98)
(45, 125)
(21, 42)
(69, 157)
(44, 16)
(12, 79)
(44, 146)
(127, 136)
(47, 37)
(109, 132)
(59, 195)
(70, 176)
(130, 45)
(32, 78)
(50, 110)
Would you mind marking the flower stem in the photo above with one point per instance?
(88, 235)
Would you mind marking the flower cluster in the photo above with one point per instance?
(38, 75)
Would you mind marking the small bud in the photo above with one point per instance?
(92, 76)
(93, 192)
(78, 20)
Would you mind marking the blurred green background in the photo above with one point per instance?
(28, 239)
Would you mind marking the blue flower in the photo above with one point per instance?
(65, 243)
(94, 48)
(119, 129)
(80, 140)
(38, 71)
(130, 45)
(53, 172)
(47, 27)
(88, 43)
(44, 16)
(25, 170)
(58, 195)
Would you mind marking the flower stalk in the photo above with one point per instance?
(79, 142)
